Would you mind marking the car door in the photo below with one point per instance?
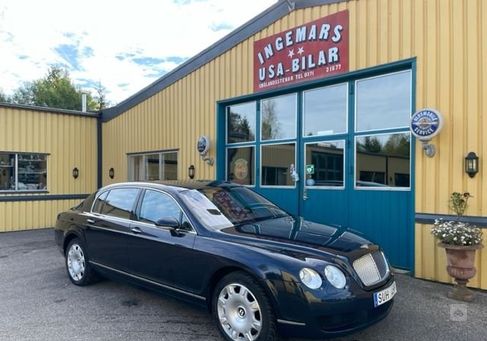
(161, 253)
(108, 227)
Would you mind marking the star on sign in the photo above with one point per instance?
(291, 53)
(300, 50)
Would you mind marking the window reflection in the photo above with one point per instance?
(384, 102)
(383, 160)
(276, 160)
(241, 120)
(279, 117)
(325, 110)
(324, 164)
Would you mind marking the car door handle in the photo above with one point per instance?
(90, 221)
(136, 230)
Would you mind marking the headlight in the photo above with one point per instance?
(310, 278)
(335, 276)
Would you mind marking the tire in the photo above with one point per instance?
(242, 310)
(79, 269)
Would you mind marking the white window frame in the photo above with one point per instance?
(144, 155)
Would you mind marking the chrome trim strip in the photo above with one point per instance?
(149, 281)
(293, 323)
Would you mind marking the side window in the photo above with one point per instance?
(120, 202)
(156, 206)
(100, 201)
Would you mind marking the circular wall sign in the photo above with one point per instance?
(426, 124)
(241, 169)
(203, 145)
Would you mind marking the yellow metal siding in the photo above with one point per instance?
(70, 142)
(448, 38)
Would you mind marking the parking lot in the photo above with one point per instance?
(37, 302)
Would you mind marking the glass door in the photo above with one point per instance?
(323, 151)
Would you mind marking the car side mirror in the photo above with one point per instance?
(170, 222)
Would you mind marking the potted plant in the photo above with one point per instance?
(460, 241)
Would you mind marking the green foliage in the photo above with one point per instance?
(55, 90)
(3, 97)
(459, 202)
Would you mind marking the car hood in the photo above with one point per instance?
(298, 236)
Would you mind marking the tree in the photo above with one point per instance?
(100, 98)
(271, 127)
(55, 90)
(3, 97)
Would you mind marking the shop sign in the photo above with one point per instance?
(241, 169)
(203, 145)
(314, 50)
(426, 124)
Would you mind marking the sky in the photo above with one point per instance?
(122, 45)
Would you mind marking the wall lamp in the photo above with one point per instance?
(191, 171)
(75, 172)
(471, 164)
(111, 173)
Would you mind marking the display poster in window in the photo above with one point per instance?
(241, 169)
(314, 50)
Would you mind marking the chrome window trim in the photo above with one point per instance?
(149, 281)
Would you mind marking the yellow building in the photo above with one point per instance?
(330, 85)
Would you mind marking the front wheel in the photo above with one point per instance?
(79, 270)
(242, 309)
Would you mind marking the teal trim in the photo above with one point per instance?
(412, 235)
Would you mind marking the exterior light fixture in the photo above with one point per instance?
(471, 164)
(191, 171)
(111, 173)
(75, 172)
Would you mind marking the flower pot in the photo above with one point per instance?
(460, 266)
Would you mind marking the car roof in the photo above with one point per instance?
(173, 185)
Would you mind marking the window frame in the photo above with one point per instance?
(138, 208)
(386, 187)
(16, 172)
(303, 114)
(382, 75)
(261, 185)
(160, 153)
(317, 187)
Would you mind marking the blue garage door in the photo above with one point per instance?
(339, 153)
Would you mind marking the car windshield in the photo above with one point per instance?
(220, 207)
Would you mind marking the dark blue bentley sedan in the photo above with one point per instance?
(259, 270)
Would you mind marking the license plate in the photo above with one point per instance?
(385, 295)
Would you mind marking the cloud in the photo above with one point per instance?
(123, 45)
(221, 26)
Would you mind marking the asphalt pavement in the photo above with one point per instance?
(38, 302)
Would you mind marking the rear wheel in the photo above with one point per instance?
(242, 309)
(79, 269)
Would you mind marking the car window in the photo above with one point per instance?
(120, 202)
(156, 206)
(97, 207)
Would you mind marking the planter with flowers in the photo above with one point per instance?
(460, 241)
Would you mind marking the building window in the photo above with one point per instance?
(240, 165)
(276, 160)
(383, 160)
(327, 161)
(153, 166)
(279, 117)
(241, 121)
(23, 172)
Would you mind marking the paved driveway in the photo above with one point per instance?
(37, 302)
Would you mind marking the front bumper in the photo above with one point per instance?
(330, 312)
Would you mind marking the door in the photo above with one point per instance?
(161, 253)
(350, 145)
(108, 227)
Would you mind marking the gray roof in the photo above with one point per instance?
(264, 19)
(48, 109)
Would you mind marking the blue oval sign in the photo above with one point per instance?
(426, 123)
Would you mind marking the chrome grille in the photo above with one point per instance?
(371, 268)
